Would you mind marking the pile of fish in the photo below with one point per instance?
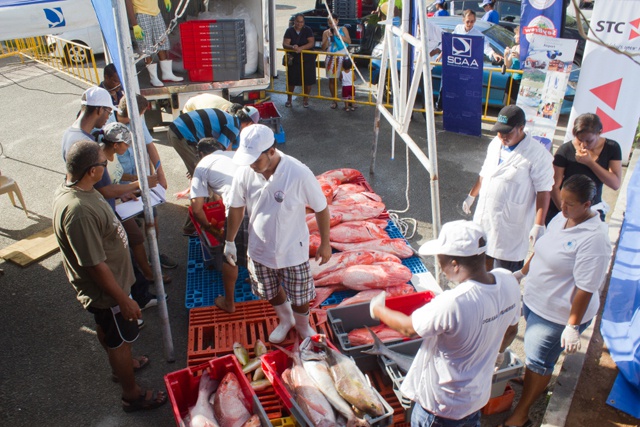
(329, 387)
(258, 380)
(221, 404)
(369, 259)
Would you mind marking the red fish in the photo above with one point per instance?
(327, 189)
(340, 260)
(358, 211)
(379, 256)
(344, 189)
(362, 197)
(314, 244)
(323, 293)
(366, 296)
(229, 404)
(334, 219)
(361, 336)
(344, 174)
(397, 247)
(356, 231)
(362, 277)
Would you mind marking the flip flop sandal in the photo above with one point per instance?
(305, 104)
(334, 105)
(149, 399)
(143, 362)
(287, 104)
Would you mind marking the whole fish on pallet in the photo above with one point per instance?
(343, 175)
(357, 211)
(356, 231)
(312, 225)
(402, 360)
(338, 261)
(229, 403)
(362, 277)
(397, 247)
(361, 336)
(346, 189)
(366, 296)
(361, 197)
(328, 186)
(314, 243)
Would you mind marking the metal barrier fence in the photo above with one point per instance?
(73, 59)
(365, 94)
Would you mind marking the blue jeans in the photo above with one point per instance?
(421, 418)
(542, 342)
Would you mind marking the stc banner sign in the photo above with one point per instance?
(610, 81)
(541, 17)
(544, 81)
(462, 60)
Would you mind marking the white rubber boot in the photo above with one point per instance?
(285, 314)
(166, 67)
(153, 75)
(302, 325)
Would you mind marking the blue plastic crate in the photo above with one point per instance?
(204, 285)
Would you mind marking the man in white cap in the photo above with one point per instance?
(514, 189)
(97, 106)
(464, 329)
(275, 189)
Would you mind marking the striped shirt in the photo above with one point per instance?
(208, 122)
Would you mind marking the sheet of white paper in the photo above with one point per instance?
(126, 210)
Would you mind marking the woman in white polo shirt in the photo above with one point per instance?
(562, 291)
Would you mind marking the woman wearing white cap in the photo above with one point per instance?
(463, 330)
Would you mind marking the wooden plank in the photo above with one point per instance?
(32, 249)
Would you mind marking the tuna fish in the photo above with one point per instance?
(340, 260)
(361, 336)
(363, 277)
(352, 384)
(356, 231)
(229, 403)
(366, 296)
(402, 360)
(344, 175)
(357, 211)
(397, 247)
(334, 219)
(320, 373)
(202, 413)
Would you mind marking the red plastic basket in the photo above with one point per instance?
(213, 211)
(182, 386)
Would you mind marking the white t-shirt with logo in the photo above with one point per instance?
(278, 233)
(215, 171)
(567, 259)
(462, 329)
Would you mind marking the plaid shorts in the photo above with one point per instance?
(153, 28)
(296, 281)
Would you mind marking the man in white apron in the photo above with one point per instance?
(514, 188)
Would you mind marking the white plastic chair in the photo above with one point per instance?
(8, 185)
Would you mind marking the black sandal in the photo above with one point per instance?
(149, 399)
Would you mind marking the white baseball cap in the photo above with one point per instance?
(457, 238)
(254, 139)
(97, 97)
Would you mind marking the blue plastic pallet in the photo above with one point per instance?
(414, 263)
(203, 285)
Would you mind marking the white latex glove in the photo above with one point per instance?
(570, 339)
(230, 252)
(377, 301)
(466, 205)
(536, 232)
(499, 361)
(519, 275)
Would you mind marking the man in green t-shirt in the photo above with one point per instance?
(95, 254)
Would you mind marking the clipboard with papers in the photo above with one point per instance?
(126, 210)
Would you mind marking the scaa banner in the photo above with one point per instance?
(610, 81)
(542, 17)
(462, 60)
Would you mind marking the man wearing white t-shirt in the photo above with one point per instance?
(214, 174)
(275, 189)
(463, 330)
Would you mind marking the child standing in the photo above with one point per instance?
(347, 85)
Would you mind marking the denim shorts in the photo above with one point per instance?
(542, 342)
(420, 417)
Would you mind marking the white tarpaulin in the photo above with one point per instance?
(30, 18)
(610, 82)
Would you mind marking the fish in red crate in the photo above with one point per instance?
(363, 277)
(366, 296)
(397, 247)
(229, 403)
(202, 413)
(361, 336)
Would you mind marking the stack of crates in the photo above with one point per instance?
(214, 50)
(346, 9)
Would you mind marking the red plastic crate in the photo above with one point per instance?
(213, 211)
(500, 403)
(182, 386)
(204, 74)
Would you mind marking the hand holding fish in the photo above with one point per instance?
(377, 302)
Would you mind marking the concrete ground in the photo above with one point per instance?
(53, 369)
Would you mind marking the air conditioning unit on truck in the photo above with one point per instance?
(229, 53)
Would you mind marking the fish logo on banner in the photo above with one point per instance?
(55, 17)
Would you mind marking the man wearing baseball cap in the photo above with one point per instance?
(513, 190)
(490, 15)
(275, 189)
(464, 329)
